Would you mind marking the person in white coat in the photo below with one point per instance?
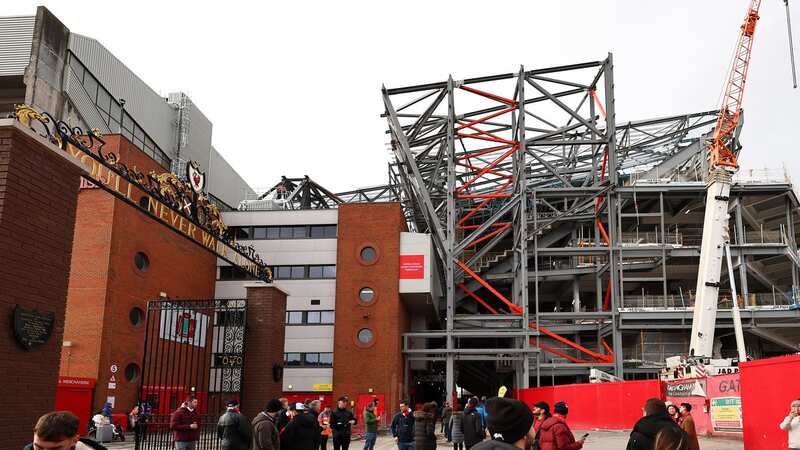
(792, 424)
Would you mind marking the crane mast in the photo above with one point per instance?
(722, 166)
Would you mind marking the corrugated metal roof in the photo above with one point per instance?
(16, 37)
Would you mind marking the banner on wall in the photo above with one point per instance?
(690, 388)
(412, 267)
(185, 327)
(726, 414)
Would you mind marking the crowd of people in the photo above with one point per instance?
(494, 424)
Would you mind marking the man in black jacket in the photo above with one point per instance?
(59, 431)
(233, 429)
(473, 424)
(510, 424)
(643, 436)
(342, 421)
(302, 432)
(403, 427)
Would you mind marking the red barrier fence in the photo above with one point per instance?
(611, 406)
(768, 386)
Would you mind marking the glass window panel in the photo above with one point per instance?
(329, 272)
(326, 317)
(315, 272)
(298, 272)
(312, 359)
(103, 100)
(313, 317)
(115, 110)
(77, 68)
(317, 231)
(365, 336)
(300, 232)
(140, 143)
(90, 85)
(114, 125)
(242, 232)
(138, 133)
(292, 359)
(273, 233)
(286, 232)
(330, 231)
(294, 317)
(284, 272)
(366, 294)
(368, 254)
(326, 359)
(259, 232)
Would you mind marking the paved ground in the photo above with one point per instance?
(599, 440)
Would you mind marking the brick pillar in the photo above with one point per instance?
(38, 197)
(264, 335)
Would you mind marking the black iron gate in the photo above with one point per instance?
(192, 348)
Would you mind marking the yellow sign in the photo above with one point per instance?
(327, 387)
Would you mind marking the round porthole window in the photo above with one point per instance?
(368, 255)
(365, 336)
(136, 316)
(132, 372)
(366, 294)
(142, 261)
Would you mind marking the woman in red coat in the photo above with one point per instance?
(555, 434)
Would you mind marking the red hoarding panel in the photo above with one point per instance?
(412, 267)
(724, 405)
(608, 406)
(75, 395)
(768, 386)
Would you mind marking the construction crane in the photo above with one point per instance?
(722, 165)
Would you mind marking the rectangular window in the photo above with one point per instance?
(103, 100)
(294, 317)
(315, 271)
(298, 272)
(329, 272)
(259, 232)
(315, 302)
(284, 272)
(242, 232)
(90, 84)
(286, 232)
(313, 317)
(326, 317)
(326, 359)
(273, 233)
(77, 68)
(116, 110)
(330, 231)
(293, 359)
(300, 232)
(323, 231)
(312, 359)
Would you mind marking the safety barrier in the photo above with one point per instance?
(768, 387)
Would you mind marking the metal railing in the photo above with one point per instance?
(754, 301)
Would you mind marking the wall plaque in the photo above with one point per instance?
(32, 328)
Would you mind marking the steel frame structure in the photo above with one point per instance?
(489, 165)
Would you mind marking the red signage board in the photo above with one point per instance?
(412, 267)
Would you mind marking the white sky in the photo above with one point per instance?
(293, 88)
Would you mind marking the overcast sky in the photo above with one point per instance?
(293, 88)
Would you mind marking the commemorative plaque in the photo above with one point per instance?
(32, 328)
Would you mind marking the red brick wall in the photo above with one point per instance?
(266, 314)
(105, 284)
(38, 194)
(380, 366)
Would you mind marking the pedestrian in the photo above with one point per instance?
(673, 412)
(686, 423)
(370, 426)
(302, 432)
(403, 427)
(655, 419)
(136, 421)
(447, 413)
(554, 433)
(185, 425)
(792, 424)
(457, 428)
(342, 421)
(424, 427)
(481, 408)
(284, 415)
(541, 412)
(472, 423)
(233, 428)
(265, 430)
(510, 424)
(59, 431)
(324, 421)
(670, 438)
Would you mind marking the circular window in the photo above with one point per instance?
(366, 295)
(368, 254)
(365, 336)
(136, 316)
(132, 372)
(142, 261)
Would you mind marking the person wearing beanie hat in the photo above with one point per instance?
(265, 431)
(554, 434)
(510, 424)
(791, 423)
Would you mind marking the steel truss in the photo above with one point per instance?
(489, 166)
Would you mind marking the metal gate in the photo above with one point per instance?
(192, 348)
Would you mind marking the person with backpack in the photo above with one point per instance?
(473, 424)
(233, 428)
